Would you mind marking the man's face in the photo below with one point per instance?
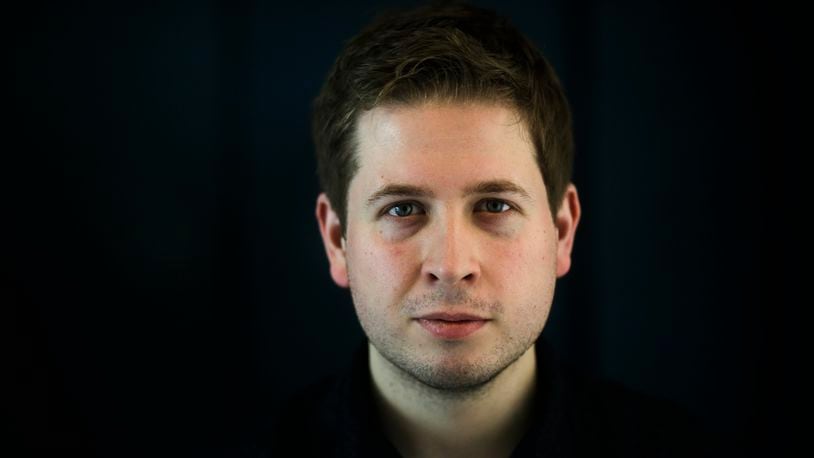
(478, 244)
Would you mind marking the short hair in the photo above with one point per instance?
(447, 52)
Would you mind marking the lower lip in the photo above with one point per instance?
(451, 329)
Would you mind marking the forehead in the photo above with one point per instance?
(443, 144)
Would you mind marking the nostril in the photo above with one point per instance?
(466, 278)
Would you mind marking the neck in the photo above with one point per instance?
(424, 421)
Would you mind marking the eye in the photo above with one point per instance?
(406, 209)
(495, 205)
(401, 209)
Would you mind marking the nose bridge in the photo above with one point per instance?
(451, 256)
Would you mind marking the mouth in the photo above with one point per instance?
(447, 316)
(452, 326)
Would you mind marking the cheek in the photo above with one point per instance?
(381, 269)
(527, 283)
(522, 257)
(526, 265)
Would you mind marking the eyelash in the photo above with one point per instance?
(387, 210)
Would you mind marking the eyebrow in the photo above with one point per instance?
(482, 187)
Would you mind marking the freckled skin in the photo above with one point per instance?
(451, 252)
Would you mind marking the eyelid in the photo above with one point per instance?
(386, 210)
(494, 199)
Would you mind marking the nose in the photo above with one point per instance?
(452, 253)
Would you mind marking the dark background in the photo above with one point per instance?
(167, 282)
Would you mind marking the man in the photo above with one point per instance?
(445, 151)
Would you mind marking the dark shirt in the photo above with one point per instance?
(575, 415)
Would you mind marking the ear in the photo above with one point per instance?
(566, 223)
(331, 230)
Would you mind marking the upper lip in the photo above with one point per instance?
(450, 316)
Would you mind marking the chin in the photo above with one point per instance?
(449, 372)
(456, 380)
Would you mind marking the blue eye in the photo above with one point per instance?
(405, 209)
(496, 206)
(401, 209)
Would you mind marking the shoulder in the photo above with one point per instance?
(305, 424)
(630, 422)
(328, 417)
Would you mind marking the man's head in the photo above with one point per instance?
(454, 53)
(444, 146)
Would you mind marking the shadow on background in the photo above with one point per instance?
(168, 285)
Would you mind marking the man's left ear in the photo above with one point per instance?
(566, 223)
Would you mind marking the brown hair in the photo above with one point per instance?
(450, 52)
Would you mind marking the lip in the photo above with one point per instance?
(451, 326)
(448, 316)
